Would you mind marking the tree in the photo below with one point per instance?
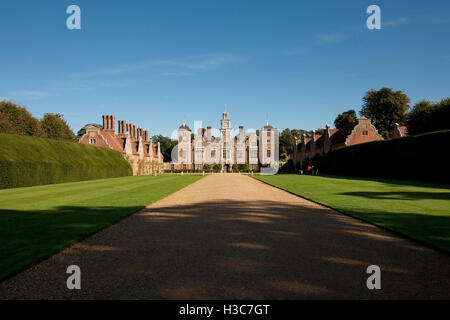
(427, 116)
(207, 167)
(15, 119)
(82, 131)
(345, 118)
(6, 125)
(217, 167)
(385, 107)
(287, 141)
(166, 145)
(55, 127)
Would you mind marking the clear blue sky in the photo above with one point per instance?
(156, 63)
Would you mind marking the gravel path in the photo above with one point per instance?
(229, 236)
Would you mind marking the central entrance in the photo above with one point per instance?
(226, 168)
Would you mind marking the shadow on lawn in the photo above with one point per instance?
(396, 195)
(392, 182)
(220, 249)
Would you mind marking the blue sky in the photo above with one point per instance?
(156, 63)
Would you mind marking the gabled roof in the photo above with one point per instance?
(114, 142)
(341, 135)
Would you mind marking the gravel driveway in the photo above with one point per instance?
(229, 236)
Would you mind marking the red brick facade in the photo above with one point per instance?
(132, 142)
(332, 139)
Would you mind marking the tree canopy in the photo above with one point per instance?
(287, 141)
(427, 116)
(56, 127)
(345, 118)
(385, 107)
(166, 145)
(15, 119)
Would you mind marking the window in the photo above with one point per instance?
(365, 133)
(268, 133)
(213, 154)
(92, 141)
(172, 166)
(253, 154)
(239, 154)
(224, 154)
(199, 155)
(184, 167)
(268, 153)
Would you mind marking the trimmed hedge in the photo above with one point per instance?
(423, 158)
(29, 161)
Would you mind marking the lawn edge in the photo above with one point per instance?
(398, 233)
(72, 243)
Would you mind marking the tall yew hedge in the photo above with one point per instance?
(422, 158)
(29, 161)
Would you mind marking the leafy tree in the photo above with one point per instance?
(82, 131)
(166, 145)
(6, 125)
(287, 141)
(15, 119)
(427, 116)
(55, 127)
(207, 167)
(235, 167)
(385, 107)
(217, 167)
(345, 118)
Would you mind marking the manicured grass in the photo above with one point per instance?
(418, 210)
(36, 222)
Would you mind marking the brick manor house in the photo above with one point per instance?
(132, 142)
(227, 149)
(332, 139)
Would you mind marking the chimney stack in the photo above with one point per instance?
(113, 123)
(200, 132)
(208, 133)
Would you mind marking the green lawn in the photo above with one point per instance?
(36, 222)
(418, 210)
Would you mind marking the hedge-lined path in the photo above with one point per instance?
(231, 236)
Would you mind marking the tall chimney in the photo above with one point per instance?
(146, 135)
(113, 123)
(200, 132)
(104, 122)
(208, 133)
(241, 133)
